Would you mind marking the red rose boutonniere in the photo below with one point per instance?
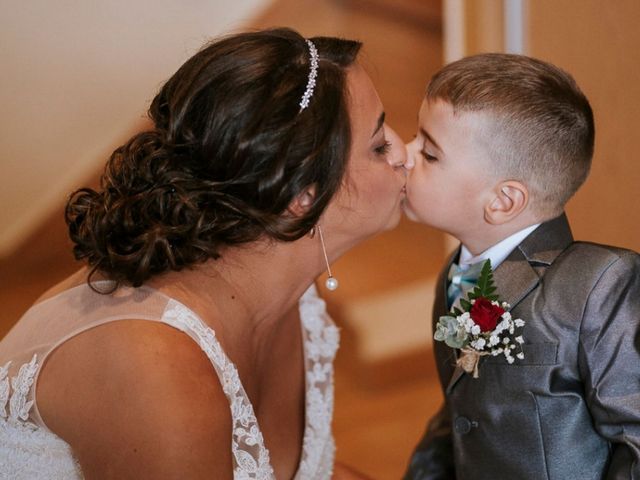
(485, 314)
(483, 327)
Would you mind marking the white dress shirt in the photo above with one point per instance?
(498, 252)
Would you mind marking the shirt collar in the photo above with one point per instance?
(499, 251)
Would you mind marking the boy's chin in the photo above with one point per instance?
(406, 209)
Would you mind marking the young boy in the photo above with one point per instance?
(503, 142)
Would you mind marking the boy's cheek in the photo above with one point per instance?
(417, 182)
(415, 200)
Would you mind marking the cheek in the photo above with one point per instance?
(421, 184)
(430, 198)
(378, 189)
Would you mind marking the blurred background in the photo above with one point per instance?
(77, 77)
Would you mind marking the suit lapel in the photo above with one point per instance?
(457, 375)
(516, 276)
(547, 242)
(441, 307)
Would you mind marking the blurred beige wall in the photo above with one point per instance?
(599, 44)
(76, 79)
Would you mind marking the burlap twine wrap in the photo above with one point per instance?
(469, 360)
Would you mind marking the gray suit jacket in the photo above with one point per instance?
(571, 408)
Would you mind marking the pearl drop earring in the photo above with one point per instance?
(331, 283)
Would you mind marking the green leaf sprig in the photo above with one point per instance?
(485, 288)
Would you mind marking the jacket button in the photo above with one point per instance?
(462, 425)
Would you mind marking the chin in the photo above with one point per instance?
(394, 220)
(406, 209)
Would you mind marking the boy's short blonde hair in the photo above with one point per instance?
(541, 129)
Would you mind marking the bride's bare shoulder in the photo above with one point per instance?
(137, 399)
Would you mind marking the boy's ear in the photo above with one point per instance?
(511, 198)
(302, 202)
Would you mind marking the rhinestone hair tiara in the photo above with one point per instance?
(313, 73)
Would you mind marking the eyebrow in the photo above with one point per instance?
(430, 138)
(380, 123)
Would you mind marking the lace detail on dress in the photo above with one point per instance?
(321, 343)
(251, 458)
(16, 394)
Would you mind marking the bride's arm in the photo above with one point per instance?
(138, 400)
(343, 472)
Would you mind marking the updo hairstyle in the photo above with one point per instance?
(229, 152)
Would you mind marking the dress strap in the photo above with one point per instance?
(321, 338)
(251, 458)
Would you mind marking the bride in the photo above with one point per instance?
(193, 344)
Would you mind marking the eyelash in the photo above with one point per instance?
(428, 158)
(384, 148)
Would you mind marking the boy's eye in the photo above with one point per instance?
(429, 158)
(383, 149)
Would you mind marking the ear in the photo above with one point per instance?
(510, 200)
(302, 202)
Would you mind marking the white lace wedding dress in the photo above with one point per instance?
(29, 450)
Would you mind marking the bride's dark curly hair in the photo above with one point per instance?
(229, 152)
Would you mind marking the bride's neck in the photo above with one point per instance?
(256, 283)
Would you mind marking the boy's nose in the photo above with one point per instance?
(410, 161)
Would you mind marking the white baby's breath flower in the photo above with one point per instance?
(520, 356)
(506, 340)
(505, 305)
(495, 304)
(519, 339)
(475, 330)
(479, 343)
(493, 340)
(502, 326)
(506, 316)
(519, 322)
(510, 359)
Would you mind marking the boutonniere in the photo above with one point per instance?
(482, 327)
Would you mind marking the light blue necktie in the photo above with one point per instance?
(462, 279)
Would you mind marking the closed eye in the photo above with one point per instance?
(384, 148)
(429, 158)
